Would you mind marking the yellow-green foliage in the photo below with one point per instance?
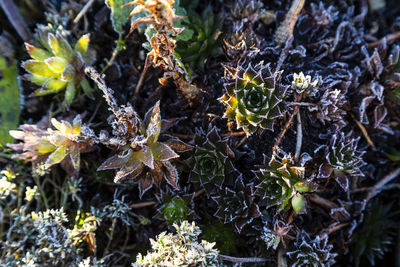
(9, 100)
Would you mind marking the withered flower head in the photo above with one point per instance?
(303, 84)
(237, 206)
(342, 159)
(211, 161)
(54, 145)
(330, 107)
(147, 160)
(282, 183)
(253, 97)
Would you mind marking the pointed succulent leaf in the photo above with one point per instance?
(56, 157)
(39, 68)
(82, 44)
(56, 64)
(37, 53)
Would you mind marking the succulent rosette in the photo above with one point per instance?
(237, 205)
(50, 145)
(57, 66)
(175, 208)
(312, 252)
(282, 183)
(211, 162)
(253, 97)
(342, 158)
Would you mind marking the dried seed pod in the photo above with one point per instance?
(312, 252)
(237, 206)
(253, 97)
(342, 159)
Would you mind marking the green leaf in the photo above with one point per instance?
(9, 100)
(187, 34)
(37, 53)
(56, 157)
(56, 64)
(82, 44)
(70, 93)
(39, 68)
(152, 123)
(119, 14)
(60, 46)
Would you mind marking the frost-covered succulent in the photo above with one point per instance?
(253, 97)
(58, 66)
(52, 146)
(245, 12)
(205, 42)
(176, 209)
(312, 252)
(211, 162)
(342, 159)
(118, 209)
(182, 249)
(303, 84)
(240, 45)
(273, 237)
(147, 160)
(282, 183)
(330, 107)
(237, 206)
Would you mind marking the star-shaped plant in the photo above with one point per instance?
(58, 66)
(237, 206)
(282, 183)
(146, 160)
(253, 97)
(52, 145)
(211, 162)
(342, 159)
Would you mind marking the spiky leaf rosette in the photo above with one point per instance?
(237, 206)
(342, 159)
(330, 108)
(253, 97)
(312, 252)
(240, 45)
(57, 66)
(52, 145)
(245, 12)
(147, 160)
(282, 183)
(374, 238)
(211, 162)
(206, 39)
(175, 208)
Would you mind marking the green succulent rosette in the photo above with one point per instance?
(57, 66)
(212, 161)
(253, 97)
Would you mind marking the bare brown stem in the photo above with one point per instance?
(16, 20)
(236, 259)
(377, 187)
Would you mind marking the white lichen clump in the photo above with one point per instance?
(182, 249)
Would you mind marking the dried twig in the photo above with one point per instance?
(236, 259)
(325, 203)
(334, 228)
(389, 38)
(377, 187)
(16, 20)
(83, 11)
(365, 133)
(143, 204)
(107, 92)
(233, 134)
(299, 138)
(285, 29)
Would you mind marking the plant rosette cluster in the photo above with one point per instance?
(237, 206)
(175, 208)
(282, 184)
(58, 66)
(52, 146)
(253, 97)
(147, 160)
(342, 159)
(212, 161)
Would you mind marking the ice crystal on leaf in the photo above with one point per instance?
(253, 97)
